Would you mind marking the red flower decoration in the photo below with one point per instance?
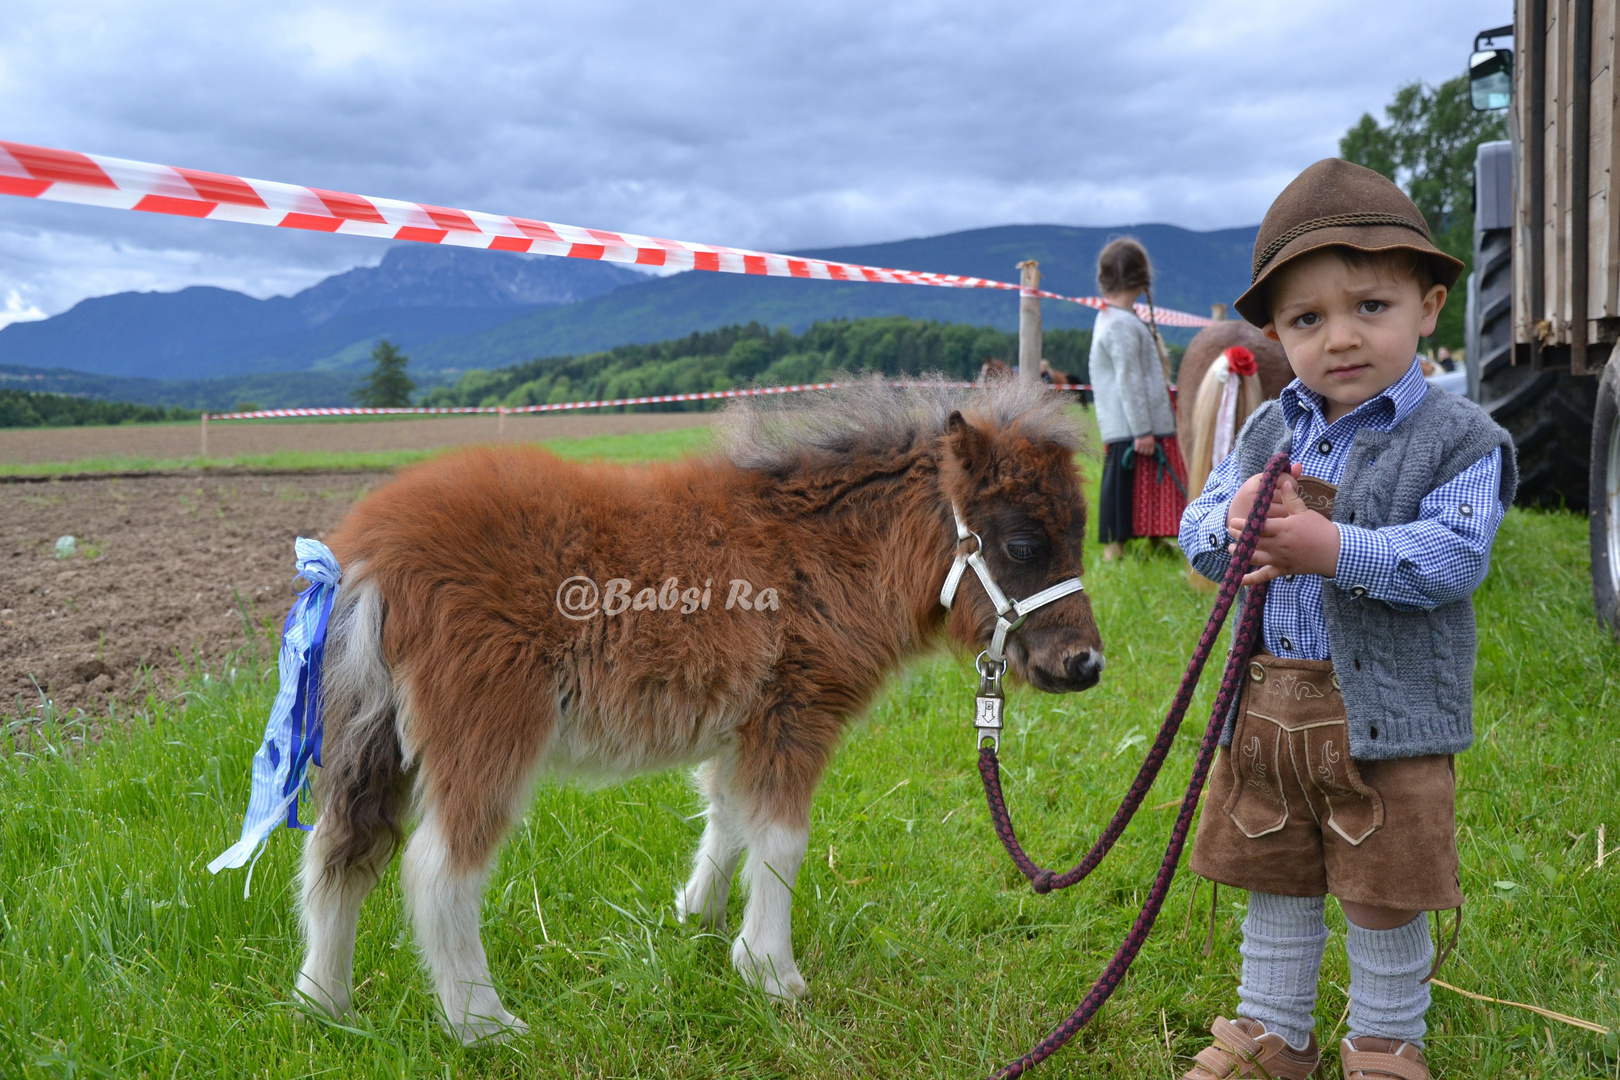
(1241, 360)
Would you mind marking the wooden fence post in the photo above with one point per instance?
(500, 422)
(205, 434)
(1217, 312)
(1029, 322)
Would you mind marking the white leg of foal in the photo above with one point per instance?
(706, 892)
(444, 904)
(330, 911)
(763, 952)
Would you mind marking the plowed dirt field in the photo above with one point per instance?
(169, 573)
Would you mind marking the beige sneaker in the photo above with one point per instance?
(1372, 1058)
(1244, 1050)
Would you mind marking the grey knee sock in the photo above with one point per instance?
(1283, 939)
(1387, 997)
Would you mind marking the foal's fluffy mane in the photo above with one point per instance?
(779, 432)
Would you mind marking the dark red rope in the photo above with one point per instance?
(1243, 642)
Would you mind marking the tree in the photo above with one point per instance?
(386, 386)
(1427, 146)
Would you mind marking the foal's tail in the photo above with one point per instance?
(363, 784)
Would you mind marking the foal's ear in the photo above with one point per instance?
(969, 445)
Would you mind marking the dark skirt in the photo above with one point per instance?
(1117, 506)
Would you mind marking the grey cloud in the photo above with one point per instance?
(770, 126)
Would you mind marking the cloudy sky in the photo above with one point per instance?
(767, 125)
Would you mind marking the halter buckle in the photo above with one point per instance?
(987, 722)
(989, 704)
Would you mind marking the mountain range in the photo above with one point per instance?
(417, 293)
(453, 309)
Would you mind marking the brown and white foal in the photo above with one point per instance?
(505, 615)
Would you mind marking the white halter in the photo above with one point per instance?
(1018, 609)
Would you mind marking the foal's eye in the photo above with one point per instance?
(1025, 548)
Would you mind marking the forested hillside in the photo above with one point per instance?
(754, 355)
(24, 408)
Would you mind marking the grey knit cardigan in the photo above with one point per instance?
(1407, 675)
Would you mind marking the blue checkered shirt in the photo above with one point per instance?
(1440, 557)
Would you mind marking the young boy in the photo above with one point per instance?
(1335, 774)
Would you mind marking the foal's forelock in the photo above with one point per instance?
(875, 418)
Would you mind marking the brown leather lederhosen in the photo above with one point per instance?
(1290, 812)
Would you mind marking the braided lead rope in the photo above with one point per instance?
(1243, 642)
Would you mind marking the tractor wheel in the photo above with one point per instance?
(1548, 413)
(1605, 499)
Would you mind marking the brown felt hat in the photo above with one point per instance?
(1338, 204)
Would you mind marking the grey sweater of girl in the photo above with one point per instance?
(1127, 379)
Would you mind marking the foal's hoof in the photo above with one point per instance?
(315, 1003)
(778, 977)
(489, 1031)
(789, 987)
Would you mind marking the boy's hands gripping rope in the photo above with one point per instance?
(1295, 539)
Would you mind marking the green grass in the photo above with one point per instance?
(121, 956)
(649, 446)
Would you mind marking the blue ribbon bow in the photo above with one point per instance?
(292, 738)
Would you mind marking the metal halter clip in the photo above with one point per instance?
(989, 703)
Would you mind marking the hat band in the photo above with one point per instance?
(1332, 221)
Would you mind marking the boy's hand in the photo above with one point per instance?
(1243, 502)
(1295, 539)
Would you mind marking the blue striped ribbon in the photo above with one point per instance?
(292, 738)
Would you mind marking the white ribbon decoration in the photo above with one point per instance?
(1225, 413)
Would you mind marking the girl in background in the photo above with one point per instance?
(1144, 485)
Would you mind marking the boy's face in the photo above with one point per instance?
(1350, 332)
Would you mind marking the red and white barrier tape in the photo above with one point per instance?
(38, 172)
(652, 399)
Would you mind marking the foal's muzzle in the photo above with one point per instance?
(1061, 668)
